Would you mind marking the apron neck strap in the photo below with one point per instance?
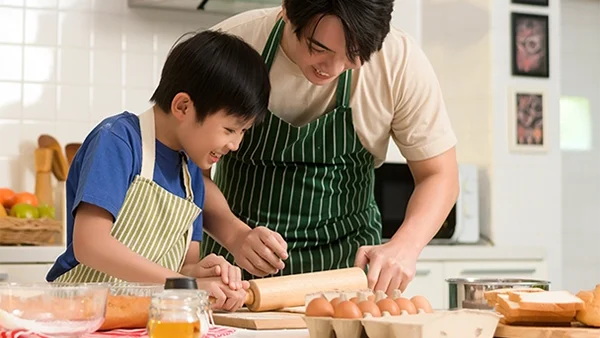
(148, 143)
(270, 50)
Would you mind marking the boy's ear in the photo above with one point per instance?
(181, 106)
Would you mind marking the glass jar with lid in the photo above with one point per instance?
(181, 313)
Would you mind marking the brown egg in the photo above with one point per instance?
(347, 309)
(421, 303)
(406, 305)
(389, 306)
(335, 301)
(354, 300)
(319, 307)
(369, 306)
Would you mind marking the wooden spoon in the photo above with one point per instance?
(43, 180)
(60, 167)
(70, 151)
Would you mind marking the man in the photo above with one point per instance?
(300, 187)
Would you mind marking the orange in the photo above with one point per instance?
(26, 198)
(7, 197)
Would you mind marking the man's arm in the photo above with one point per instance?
(219, 222)
(436, 191)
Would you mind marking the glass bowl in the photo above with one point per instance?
(53, 309)
(128, 305)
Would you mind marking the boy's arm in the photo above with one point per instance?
(95, 247)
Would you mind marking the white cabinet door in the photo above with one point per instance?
(24, 273)
(428, 282)
(496, 269)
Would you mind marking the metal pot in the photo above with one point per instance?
(467, 293)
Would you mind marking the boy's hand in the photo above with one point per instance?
(215, 266)
(225, 298)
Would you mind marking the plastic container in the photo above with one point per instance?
(53, 309)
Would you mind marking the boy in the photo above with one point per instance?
(135, 188)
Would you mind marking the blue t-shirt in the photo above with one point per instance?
(104, 168)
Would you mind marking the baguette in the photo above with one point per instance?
(590, 315)
(547, 301)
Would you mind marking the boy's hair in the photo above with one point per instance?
(366, 22)
(218, 71)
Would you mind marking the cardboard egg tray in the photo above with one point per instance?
(464, 323)
(448, 324)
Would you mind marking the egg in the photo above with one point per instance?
(335, 301)
(354, 300)
(421, 303)
(319, 307)
(389, 306)
(369, 306)
(347, 309)
(405, 304)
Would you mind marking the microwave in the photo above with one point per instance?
(394, 185)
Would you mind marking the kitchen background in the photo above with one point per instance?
(66, 64)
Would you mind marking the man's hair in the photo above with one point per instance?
(218, 71)
(366, 22)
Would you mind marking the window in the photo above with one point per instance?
(575, 124)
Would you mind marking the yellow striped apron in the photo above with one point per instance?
(152, 222)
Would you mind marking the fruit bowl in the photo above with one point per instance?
(53, 309)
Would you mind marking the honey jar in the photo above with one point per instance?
(179, 313)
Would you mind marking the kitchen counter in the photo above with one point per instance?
(16, 254)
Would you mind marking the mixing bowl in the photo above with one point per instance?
(468, 293)
(53, 309)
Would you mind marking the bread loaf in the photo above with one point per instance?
(590, 315)
(126, 312)
(547, 301)
(491, 296)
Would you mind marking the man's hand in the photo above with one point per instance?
(261, 251)
(390, 266)
(217, 266)
(225, 298)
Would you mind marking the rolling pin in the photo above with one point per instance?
(287, 291)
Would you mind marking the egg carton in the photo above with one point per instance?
(464, 323)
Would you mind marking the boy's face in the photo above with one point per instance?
(217, 135)
(320, 56)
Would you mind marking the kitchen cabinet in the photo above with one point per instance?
(426, 282)
(24, 273)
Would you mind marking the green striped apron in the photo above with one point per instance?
(152, 222)
(312, 184)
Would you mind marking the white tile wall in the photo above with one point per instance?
(67, 64)
(580, 31)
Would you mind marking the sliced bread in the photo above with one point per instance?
(512, 309)
(547, 301)
(491, 295)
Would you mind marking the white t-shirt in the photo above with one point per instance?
(395, 94)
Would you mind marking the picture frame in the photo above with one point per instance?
(542, 3)
(527, 123)
(530, 45)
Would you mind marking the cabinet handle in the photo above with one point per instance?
(422, 273)
(500, 271)
(3, 276)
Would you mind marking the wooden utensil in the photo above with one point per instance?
(59, 162)
(43, 179)
(287, 291)
(70, 151)
(575, 330)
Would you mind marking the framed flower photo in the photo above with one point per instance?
(527, 120)
(530, 45)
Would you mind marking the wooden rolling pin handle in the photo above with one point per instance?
(43, 188)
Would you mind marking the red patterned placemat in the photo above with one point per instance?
(213, 332)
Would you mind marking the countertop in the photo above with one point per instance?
(47, 255)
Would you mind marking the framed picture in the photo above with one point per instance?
(531, 2)
(530, 45)
(527, 120)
